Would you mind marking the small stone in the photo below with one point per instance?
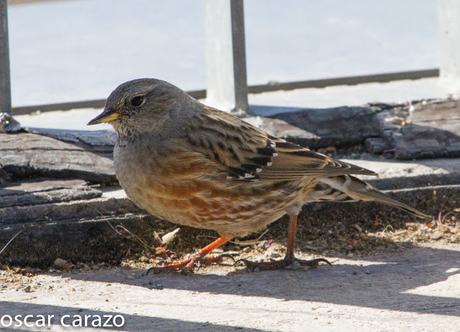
(169, 237)
(62, 264)
(8, 124)
(247, 249)
(455, 238)
(437, 235)
(275, 255)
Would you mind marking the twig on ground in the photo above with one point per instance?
(11, 240)
(131, 236)
(249, 242)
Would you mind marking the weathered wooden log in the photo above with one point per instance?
(37, 192)
(339, 126)
(66, 211)
(426, 129)
(101, 141)
(23, 155)
(432, 130)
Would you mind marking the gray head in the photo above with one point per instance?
(141, 105)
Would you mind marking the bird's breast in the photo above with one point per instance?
(185, 188)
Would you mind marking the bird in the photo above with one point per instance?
(195, 165)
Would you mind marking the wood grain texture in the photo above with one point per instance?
(45, 191)
(24, 155)
(432, 131)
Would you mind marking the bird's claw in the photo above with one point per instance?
(189, 265)
(281, 264)
(313, 262)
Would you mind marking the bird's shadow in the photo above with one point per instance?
(133, 322)
(385, 282)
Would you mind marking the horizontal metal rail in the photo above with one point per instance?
(260, 88)
(347, 80)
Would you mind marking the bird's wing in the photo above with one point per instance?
(248, 153)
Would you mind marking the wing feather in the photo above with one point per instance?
(248, 153)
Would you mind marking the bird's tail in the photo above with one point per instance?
(359, 190)
(380, 197)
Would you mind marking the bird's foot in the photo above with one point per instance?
(191, 264)
(293, 263)
(163, 251)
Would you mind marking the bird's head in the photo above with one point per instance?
(140, 105)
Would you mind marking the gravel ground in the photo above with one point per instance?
(412, 289)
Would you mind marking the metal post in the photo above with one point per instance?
(449, 19)
(5, 83)
(227, 86)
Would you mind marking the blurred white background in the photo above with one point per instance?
(77, 50)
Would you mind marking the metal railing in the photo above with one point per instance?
(226, 62)
(5, 82)
(260, 88)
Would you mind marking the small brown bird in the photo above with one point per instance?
(194, 165)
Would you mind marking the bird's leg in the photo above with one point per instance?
(188, 264)
(289, 258)
(292, 232)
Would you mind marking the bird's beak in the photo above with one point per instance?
(107, 116)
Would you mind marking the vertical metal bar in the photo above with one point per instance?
(449, 19)
(5, 82)
(226, 55)
(239, 56)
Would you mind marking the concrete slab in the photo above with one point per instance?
(417, 290)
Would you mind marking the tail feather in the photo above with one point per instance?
(358, 190)
(380, 197)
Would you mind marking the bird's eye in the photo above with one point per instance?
(137, 101)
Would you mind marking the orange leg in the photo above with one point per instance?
(189, 263)
(292, 231)
(289, 258)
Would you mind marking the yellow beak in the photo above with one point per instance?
(107, 116)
